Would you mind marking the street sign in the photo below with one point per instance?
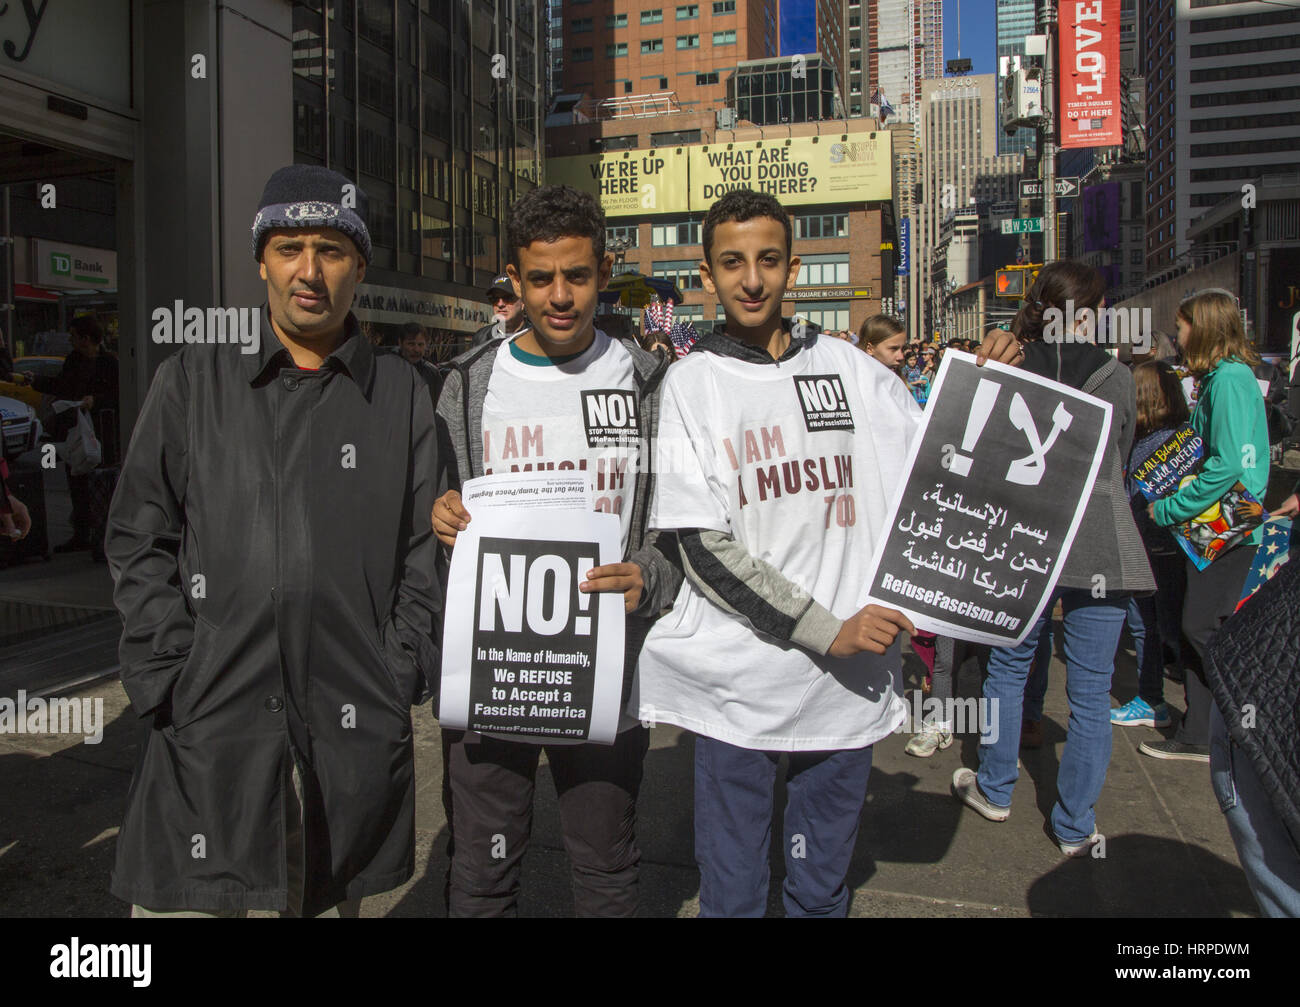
(1023, 225)
(1032, 188)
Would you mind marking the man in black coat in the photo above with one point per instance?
(508, 315)
(274, 567)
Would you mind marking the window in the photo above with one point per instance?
(823, 270)
(834, 225)
(830, 315)
(688, 41)
(580, 24)
(652, 45)
(707, 78)
(655, 16)
(616, 21)
(615, 50)
(727, 37)
(688, 12)
(582, 54)
(1135, 257)
(624, 232)
(687, 233)
(724, 7)
(674, 137)
(684, 272)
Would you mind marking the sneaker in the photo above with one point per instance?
(966, 788)
(1031, 734)
(1175, 750)
(931, 737)
(1137, 712)
(1082, 848)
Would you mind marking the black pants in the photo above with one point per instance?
(1212, 595)
(491, 798)
(79, 491)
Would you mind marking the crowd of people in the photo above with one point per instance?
(277, 769)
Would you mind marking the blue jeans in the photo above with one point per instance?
(1264, 846)
(734, 786)
(1148, 648)
(1036, 685)
(1092, 627)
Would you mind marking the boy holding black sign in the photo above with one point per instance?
(534, 402)
(778, 451)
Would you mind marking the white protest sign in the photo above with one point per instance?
(526, 655)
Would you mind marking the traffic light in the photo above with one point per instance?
(1009, 283)
(1016, 281)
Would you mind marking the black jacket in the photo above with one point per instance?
(1253, 669)
(274, 567)
(81, 376)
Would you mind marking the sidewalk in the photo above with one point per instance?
(919, 853)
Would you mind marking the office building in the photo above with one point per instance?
(1223, 109)
(961, 170)
(157, 164)
(618, 48)
(1014, 20)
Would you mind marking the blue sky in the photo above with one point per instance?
(977, 30)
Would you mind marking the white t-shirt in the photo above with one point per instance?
(797, 461)
(580, 414)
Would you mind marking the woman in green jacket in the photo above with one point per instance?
(1230, 418)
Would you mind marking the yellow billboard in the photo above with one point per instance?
(800, 171)
(638, 182)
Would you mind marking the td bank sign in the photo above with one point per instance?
(74, 267)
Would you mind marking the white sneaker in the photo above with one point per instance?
(930, 738)
(1081, 849)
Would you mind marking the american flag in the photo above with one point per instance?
(658, 316)
(1273, 552)
(683, 335)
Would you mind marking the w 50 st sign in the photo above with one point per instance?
(1089, 72)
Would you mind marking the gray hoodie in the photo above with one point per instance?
(461, 408)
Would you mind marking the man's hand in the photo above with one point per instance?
(1001, 347)
(88, 403)
(873, 629)
(624, 577)
(449, 517)
(16, 525)
(1290, 507)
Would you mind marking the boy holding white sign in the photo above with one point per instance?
(563, 396)
(778, 452)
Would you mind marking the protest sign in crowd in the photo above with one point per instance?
(566, 539)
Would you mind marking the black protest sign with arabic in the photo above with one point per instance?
(997, 481)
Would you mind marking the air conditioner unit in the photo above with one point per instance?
(725, 118)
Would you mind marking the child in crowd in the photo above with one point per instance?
(1153, 619)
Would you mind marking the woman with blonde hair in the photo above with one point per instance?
(1230, 418)
(883, 338)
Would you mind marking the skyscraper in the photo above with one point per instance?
(961, 168)
(1015, 20)
(1222, 109)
